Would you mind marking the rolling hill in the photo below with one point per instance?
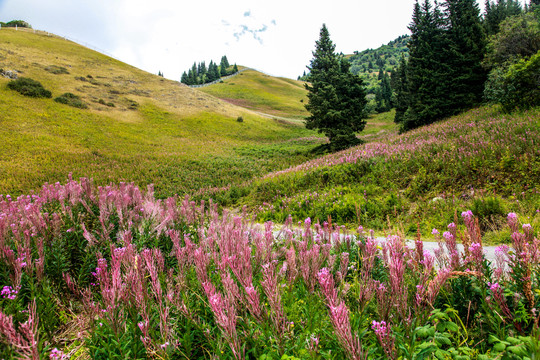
(263, 93)
(138, 127)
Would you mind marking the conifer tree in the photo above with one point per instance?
(336, 96)
(223, 66)
(210, 75)
(215, 72)
(464, 56)
(426, 68)
(193, 79)
(224, 61)
(401, 89)
(185, 79)
(495, 13)
(235, 69)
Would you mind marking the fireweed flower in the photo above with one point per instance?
(9, 293)
(384, 335)
(57, 354)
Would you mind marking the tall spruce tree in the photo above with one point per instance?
(337, 97)
(464, 55)
(426, 69)
(444, 73)
(185, 79)
(401, 90)
(223, 66)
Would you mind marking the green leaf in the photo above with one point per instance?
(450, 326)
(499, 347)
(442, 340)
(520, 350)
(492, 339)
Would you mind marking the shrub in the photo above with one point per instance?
(57, 70)
(29, 87)
(515, 86)
(71, 100)
(240, 119)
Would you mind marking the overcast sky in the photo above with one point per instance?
(277, 36)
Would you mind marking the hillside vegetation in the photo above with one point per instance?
(482, 160)
(264, 93)
(138, 127)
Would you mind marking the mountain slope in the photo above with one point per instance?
(138, 127)
(264, 93)
(483, 160)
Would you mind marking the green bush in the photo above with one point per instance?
(71, 100)
(57, 70)
(515, 86)
(29, 87)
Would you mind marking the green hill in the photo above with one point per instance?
(138, 127)
(263, 93)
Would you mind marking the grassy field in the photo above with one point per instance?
(139, 127)
(254, 90)
(483, 160)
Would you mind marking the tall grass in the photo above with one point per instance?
(422, 177)
(114, 273)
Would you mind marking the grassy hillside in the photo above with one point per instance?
(483, 160)
(138, 127)
(264, 93)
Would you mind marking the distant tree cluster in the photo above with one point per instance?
(200, 74)
(16, 23)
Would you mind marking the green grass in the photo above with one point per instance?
(380, 126)
(254, 90)
(483, 160)
(158, 131)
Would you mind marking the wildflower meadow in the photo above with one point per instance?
(113, 273)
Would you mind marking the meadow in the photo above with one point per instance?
(138, 126)
(114, 273)
(484, 160)
(264, 93)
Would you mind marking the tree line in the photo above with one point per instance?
(459, 59)
(200, 74)
(16, 23)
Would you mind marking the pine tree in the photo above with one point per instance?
(215, 72)
(401, 89)
(383, 95)
(495, 13)
(223, 66)
(426, 69)
(210, 73)
(336, 96)
(464, 55)
(225, 62)
(185, 79)
(193, 79)
(235, 69)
